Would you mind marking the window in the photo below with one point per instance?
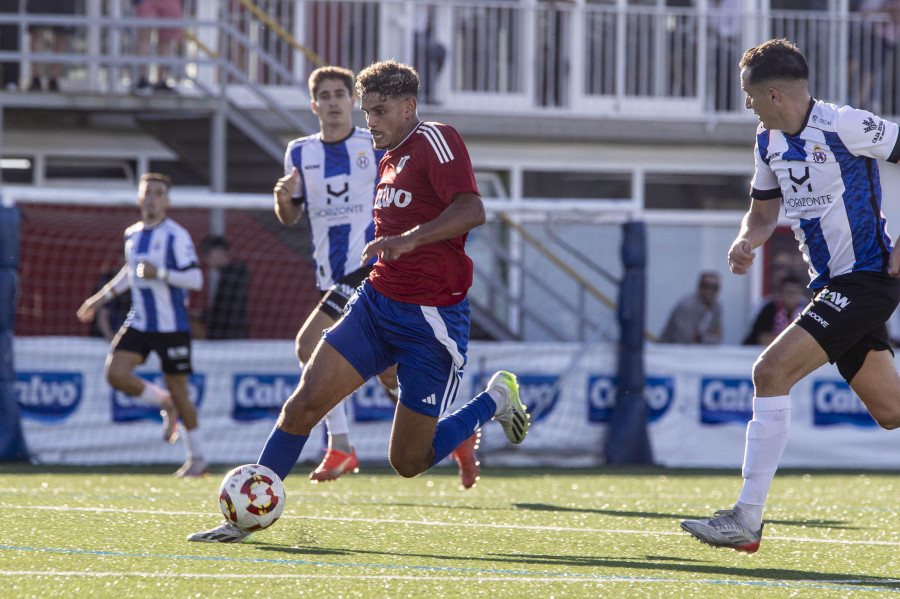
(576, 185)
(670, 191)
(17, 170)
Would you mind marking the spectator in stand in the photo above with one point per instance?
(697, 317)
(229, 283)
(785, 306)
(46, 76)
(167, 41)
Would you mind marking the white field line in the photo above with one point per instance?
(610, 531)
(597, 580)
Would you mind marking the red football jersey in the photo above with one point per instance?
(418, 180)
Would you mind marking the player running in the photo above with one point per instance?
(412, 309)
(819, 162)
(331, 177)
(160, 267)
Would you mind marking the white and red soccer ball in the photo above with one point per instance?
(251, 497)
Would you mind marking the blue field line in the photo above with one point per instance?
(560, 575)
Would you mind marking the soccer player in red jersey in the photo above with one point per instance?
(412, 310)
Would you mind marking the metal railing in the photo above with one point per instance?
(494, 56)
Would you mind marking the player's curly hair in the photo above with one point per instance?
(316, 78)
(388, 78)
(775, 59)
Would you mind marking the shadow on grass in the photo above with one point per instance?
(545, 507)
(650, 563)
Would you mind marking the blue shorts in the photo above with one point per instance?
(427, 343)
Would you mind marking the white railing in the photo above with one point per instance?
(496, 56)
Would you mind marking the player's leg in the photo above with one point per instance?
(326, 380)
(129, 349)
(793, 355)
(174, 351)
(329, 376)
(195, 459)
(430, 347)
(340, 456)
(877, 384)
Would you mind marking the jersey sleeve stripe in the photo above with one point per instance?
(442, 158)
(765, 194)
(437, 141)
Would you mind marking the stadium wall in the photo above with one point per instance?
(699, 401)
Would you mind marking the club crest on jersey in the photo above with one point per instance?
(818, 155)
(402, 163)
(362, 161)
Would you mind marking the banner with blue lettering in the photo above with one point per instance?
(699, 401)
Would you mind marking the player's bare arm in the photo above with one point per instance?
(464, 213)
(756, 227)
(89, 308)
(894, 262)
(284, 190)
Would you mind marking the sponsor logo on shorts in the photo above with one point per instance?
(178, 352)
(726, 400)
(834, 299)
(126, 408)
(48, 396)
(261, 395)
(659, 392)
(818, 319)
(431, 400)
(834, 402)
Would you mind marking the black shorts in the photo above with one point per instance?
(847, 317)
(335, 299)
(173, 349)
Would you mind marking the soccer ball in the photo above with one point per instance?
(251, 497)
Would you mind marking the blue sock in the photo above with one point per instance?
(461, 424)
(281, 451)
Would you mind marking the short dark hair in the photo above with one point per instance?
(775, 59)
(211, 242)
(321, 74)
(388, 78)
(164, 179)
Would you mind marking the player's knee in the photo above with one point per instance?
(116, 378)
(406, 467)
(888, 421)
(765, 375)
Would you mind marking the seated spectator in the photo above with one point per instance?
(56, 36)
(229, 283)
(786, 304)
(697, 317)
(167, 42)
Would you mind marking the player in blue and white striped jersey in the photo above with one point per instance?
(331, 177)
(819, 162)
(160, 268)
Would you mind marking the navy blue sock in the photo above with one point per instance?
(461, 424)
(281, 451)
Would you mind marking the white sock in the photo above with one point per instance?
(152, 394)
(336, 420)
(767, 436)
(193, 443)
